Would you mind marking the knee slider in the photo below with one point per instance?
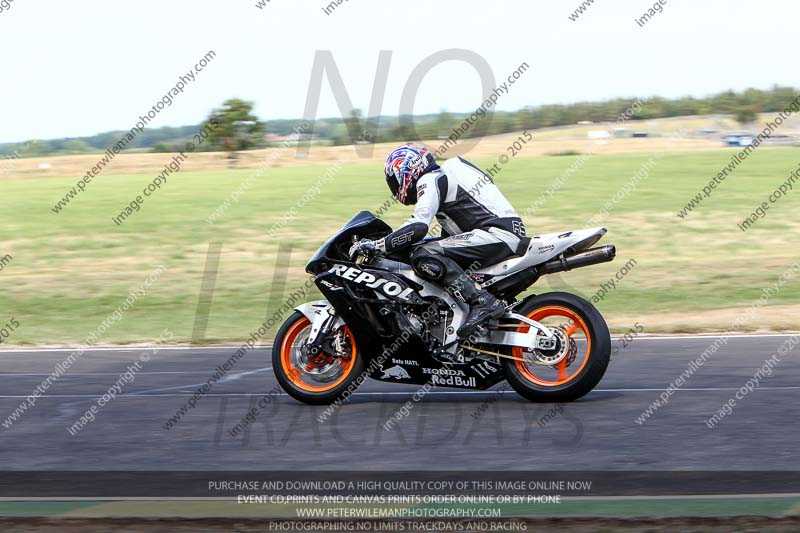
(428, 265)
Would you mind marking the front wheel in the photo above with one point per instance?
(319, 379)
(580, 358)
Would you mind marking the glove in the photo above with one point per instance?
(364, 247)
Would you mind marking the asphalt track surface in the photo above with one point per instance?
(598, 432)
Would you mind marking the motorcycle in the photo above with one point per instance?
(380, 320)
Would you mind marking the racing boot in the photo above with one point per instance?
(482, 307)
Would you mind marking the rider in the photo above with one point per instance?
(479, 226)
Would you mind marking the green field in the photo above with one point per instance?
(70, 270)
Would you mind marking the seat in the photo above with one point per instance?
(522, 249)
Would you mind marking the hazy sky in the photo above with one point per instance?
(86, 66)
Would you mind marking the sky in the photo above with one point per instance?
(79, 68)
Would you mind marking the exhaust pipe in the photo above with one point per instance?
(592, 256)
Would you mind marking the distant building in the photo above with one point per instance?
(293, 137)
(598, 134)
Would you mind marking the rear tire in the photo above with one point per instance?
(296, 380)
(573, 381)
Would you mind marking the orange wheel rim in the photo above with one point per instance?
(298, 375)
(565, 374)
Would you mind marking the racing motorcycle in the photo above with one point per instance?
(380, 320)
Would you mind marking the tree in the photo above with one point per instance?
(233, 127)
(746, 115)
(162, 147)
(339, 135)
(34, 148)
(444, 123)
(355, 131)
(725, 103)
(76, 146)
(404, 131)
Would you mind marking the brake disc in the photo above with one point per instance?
(566, 349)
(324, 367)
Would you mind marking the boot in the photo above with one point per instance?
(482, 307)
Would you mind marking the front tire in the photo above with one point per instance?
(567, 380)
(313, 384)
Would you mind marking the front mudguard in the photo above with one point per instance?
(312, 309)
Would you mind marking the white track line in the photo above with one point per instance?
(110, 373)
(710, 336)
(230, 377)
(129, 350)
(268, 346)
(141, 394)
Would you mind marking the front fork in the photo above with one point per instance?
(323, 319)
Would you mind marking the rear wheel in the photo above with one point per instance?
(577, 363)
(319, 379)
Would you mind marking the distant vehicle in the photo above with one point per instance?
(738, 139)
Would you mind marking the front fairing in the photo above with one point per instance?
(363, 225)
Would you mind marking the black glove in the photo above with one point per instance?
(364, 247)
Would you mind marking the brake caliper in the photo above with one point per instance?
(327, 351)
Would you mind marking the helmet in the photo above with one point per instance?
(404, 166)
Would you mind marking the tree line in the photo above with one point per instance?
(240, 129)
